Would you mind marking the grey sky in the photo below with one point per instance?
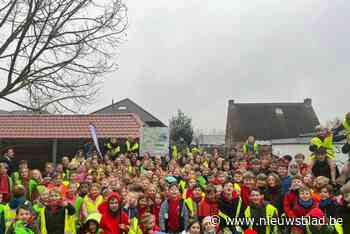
(197, 54)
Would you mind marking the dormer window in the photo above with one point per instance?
(279, 111)
(122, 108)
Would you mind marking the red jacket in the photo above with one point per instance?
(208, 208)
(109, 224)
(300, 211)
(245, 192)
(288, 203)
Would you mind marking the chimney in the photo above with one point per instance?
(231, 102)
(308, 101)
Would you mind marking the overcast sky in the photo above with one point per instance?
(198, 54)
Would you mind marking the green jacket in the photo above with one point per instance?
(19, 228)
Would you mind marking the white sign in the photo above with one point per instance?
(154, 141)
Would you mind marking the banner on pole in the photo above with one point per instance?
(93, 133)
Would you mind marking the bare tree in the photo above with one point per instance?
(55, 51)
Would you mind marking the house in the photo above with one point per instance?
(269, 121)
(128, 106)
(42, 138)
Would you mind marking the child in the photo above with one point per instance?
(327, 204)
(92, 200)
(58, 216)
(291, 196)
(209, 205)
(114, 220)
(302, 206)
(261, 182)
(148, 224)
(274, 193)
(249, 182)
(294, 169)
(230, 206)
(257, 209)
(92, 223)
(323, 142)
(286, 179)
(303, 167)
(24, 222)
(343, 210)
(321, 228)
(237, 180)
(5, 182)
(320, 182)
(174, 214)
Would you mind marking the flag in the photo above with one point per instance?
(93, 133)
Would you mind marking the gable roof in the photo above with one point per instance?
(68, 126)
(128, 106)
(267, 121)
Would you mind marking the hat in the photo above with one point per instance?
(250, 231)
(94, 217)
(170, 179)
(316, 213)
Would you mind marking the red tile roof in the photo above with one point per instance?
(69, 126)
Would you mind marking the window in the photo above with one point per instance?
(122, 108)
(279, 111)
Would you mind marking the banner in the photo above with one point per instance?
(154, 141)
(93, 133)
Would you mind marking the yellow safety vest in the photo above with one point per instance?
(91, 206)
(327, 143)
(134, 227)
(114, 151)
(9, 215)
(227, 218)
(245, 148)
(237, 187)
(338, 229)
(134, 148)
(174, 152)
(271, 212)
(69, 223)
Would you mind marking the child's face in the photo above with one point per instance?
(255, 197)
(191, 183)
(44, 197)
(94, 191)
(305, 195)
(296, 184)
(294, 169)
(55, 197)
(238, 178)
(228, 188)
(271, 181)
(282, 172)
(23, 215)
(226, 166)
(261, 183)
(158, 199)
(113, 204)
(1, 197)
(324, 194)
(174, 191)
(143, 202)
(211, 196)
(308, 179)
(197, 193)
(249, 182)
(92, 227)
(299, 160)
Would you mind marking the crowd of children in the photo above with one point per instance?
(195, 192)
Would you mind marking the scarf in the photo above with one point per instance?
(325, 202)
(4, 184)
(174, 214)
(305, 204)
